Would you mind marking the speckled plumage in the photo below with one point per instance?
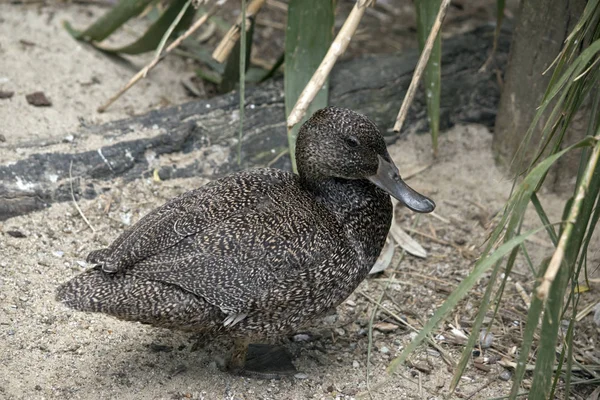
(257, 253)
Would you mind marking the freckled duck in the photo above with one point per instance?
(258, 253)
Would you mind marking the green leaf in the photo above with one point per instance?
(544, 218)
(546, 354)
(198, 52)
(533, 316)
(278, 63)
(208, 75)
(111, 21)
(308, 36)
(426, 13)
(153, 36)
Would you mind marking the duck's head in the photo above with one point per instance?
(340, 143)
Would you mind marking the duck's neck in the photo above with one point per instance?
(360, 206)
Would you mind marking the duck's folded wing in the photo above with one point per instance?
(250, 261)
(189, 214)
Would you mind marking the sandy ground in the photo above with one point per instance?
(49, 351)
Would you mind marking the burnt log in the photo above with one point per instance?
(200, 138)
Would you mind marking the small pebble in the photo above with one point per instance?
(385, 327)
(301, 337)
(486, 339)
(38, 99)
(350, 303)
(160, 348)
(301, 375)
(330, 319)
(16, 234)
(355, 364)
(68, 138)
(38, 387)
(597, 314)
(126, 218)
(384, 350)
(58, 253)
(433, 353)
(340, 331)
(505, 375)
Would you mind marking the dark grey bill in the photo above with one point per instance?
(388, 179)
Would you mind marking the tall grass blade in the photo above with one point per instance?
(151, 39)
(544, 218)
(308, 37)
(533, 317)
(542, 374)
(426, 13)
(243, 55)
(111, 21)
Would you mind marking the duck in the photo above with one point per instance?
(260, 253)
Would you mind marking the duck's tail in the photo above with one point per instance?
(132, 298)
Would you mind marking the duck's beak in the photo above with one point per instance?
(388, 179)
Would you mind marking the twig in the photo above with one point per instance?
(478, 391)
(75, 201)
(430, 237)
(144, 71)
(439, 217)
(272, 24)
(242, 80)
(372, 319)
(523, 294)
(412, 89)
(228, 42)
(530, 367)
(585, 311)
(163, 40)
(431, 342)
(565, 237)
(337, 48)
(280, 5)
(416, 172)
(277, 157)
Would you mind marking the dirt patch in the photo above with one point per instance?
(50, 351)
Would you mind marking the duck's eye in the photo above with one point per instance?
(352, 141)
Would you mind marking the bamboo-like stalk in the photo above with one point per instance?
(144, 71)
(228, 42)
(563, 242)
(421, 64)
(242, 79)
(337, 48)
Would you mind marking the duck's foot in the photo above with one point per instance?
(264, 361)
(261, 361)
